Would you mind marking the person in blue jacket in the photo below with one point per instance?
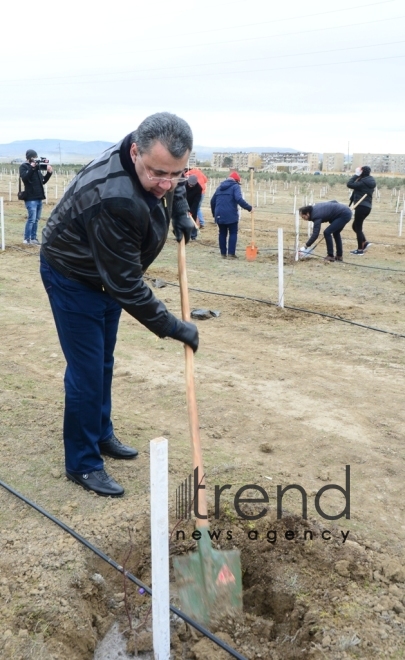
(224, 206)
(338, 215)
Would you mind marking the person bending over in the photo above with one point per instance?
(338, 215)
(101, 237)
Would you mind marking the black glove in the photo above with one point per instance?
(185, 332)
(183, 225)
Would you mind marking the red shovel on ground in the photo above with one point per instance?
(251, 250)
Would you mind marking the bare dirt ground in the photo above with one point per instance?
(285, 397)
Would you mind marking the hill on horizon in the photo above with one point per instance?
(76, 150)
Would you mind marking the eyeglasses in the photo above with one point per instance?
(156, 179)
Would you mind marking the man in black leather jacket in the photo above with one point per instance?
(109, 226)
(361, 184)
(34, 182)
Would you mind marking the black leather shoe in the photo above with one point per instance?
(99, 481)
(114, 448)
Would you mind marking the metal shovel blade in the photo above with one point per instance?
(209, 581)
(251, 252)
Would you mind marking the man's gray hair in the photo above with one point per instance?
(174, 133)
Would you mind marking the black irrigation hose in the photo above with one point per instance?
(119, 568)
(295, 309)
(358, 265)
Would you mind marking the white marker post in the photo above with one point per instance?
(401, 217)
(3, 245)
(159, 501)
(297, 234)
(9, 191)
(280, 268)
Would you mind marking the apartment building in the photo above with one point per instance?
(333, 162)
(238, 161)
(192, 161)
(305, 162)
(389, 163)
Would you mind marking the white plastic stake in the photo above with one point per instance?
(257, 199)
(295, 203)
(3, 245)
(401, 217)
(159, 500)
(280, 268)
(297, 234)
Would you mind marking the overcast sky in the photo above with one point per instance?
(312, 75)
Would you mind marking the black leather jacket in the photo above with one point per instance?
(33, 181)
(105, 232)
(362, 186)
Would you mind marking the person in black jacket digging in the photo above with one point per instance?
(361, 184)
(193, 194)
(109, 226)
(34, 182)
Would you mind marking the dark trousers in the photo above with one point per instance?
(87, 324)
(334, 229)
(360, 214)
(225, 230)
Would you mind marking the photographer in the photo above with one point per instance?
(34, 181)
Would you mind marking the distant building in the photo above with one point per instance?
(294, 161)
(192, 161)
(333, 163)
(313, 162)
(389, 163)
(238, 161)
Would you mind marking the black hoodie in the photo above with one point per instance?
(362, 185)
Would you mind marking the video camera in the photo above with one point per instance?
(41, 162)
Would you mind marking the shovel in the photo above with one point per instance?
(209, 581)
(251, 250)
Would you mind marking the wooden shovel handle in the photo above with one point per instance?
(359, 202)
(252, 204)
(190, 389)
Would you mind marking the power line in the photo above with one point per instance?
(256, 38)
(216, 63)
